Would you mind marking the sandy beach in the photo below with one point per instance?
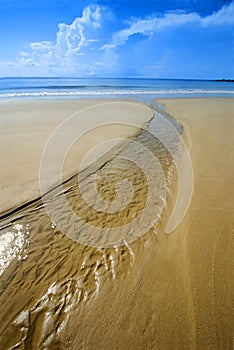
(26, 127)
(163, 291)
(203, 243)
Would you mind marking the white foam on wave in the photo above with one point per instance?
(115, 92)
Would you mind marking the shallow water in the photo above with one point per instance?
(48, 278)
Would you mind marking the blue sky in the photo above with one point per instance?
(121, 38)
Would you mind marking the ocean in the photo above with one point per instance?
(18, 88)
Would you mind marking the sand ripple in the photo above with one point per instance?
(47, 278)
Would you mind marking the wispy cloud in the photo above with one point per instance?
(225, 16)
(90, 45)
(41, 46)
(151, 26)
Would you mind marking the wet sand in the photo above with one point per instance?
(163, 291)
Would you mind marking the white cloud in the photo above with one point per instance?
(24, 54)
(28, 62)
(225, 16)
(87, 45)
(42, 45)
(150, 26)
(62, 55)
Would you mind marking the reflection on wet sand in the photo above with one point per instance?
(48, 280)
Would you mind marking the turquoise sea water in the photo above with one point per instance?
(17, 88)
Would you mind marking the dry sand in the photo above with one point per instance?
(202, 246)
(26, 126)
(164, 291)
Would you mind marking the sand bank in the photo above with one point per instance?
(26, 126)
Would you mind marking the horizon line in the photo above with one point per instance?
(114, 77)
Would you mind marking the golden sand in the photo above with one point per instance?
(26, 126)
(205, 237)
(159, 292)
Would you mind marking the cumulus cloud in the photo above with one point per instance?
(62, 55)
(71, 38)
(89, 45)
